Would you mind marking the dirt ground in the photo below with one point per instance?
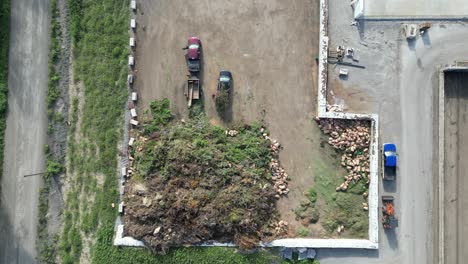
(456, 154)
(269, 46)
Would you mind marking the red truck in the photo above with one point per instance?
(193, 54)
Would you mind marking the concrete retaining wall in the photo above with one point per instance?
(358, 9)
(373, 198)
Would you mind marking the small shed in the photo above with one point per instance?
(131, 60)
(133, 23)
(134, 96)
(132, 42)
(131, 142)
(123, 171)
(133, 113)
(134, 122)
(133, 5)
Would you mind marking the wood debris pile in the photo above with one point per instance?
(279, 175)
(232, 133)
(280, 228)
(352, 137)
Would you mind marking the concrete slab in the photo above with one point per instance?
(415, 9)
(453, 218)
(396, 72)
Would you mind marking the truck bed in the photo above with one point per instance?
(389, 173)
(192, 90)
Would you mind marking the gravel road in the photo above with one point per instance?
(26, 129)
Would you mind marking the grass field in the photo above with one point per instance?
(323, 208)
(342, 208)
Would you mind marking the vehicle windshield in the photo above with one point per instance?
(193, 46)
(224, 79)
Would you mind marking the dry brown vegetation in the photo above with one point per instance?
(192, 182)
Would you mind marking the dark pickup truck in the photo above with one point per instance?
(224, 81)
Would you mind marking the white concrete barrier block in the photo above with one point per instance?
(133, 23)
(134, 122)
(131, 60)
(131, 142)
(130, 79)
(120, 240)
(134, 96)
(133, 5)
(132, 42)
(133, 112)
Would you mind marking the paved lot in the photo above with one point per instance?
(270, 47)
(456, 168)
(26, 129)
(397, 84)
(415, 8)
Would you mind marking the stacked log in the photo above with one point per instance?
(340, 229)
(280, 178)
(352, 138)
(280, 228)
(232, 133)
(279, 175)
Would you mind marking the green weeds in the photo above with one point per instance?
(45, 243)
(342, 208)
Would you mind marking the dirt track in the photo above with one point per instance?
(269, 46)
(456, 167)
(26, 129)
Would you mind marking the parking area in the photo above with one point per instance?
(455, 168)
(397, 81)
(270, 48)
(415, 8)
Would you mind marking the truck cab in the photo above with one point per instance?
(193, 54)
(389, 160)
